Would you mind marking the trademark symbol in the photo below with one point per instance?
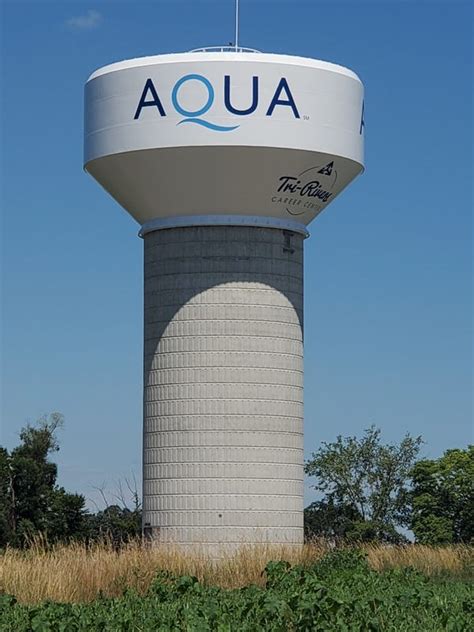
(305, 117)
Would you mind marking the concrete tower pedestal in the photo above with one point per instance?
(223, 378)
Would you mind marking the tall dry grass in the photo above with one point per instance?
(76, 573)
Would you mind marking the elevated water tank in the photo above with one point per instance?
(223, 158)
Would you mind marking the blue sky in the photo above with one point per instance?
(388, 286)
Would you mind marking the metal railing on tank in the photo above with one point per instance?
(230, 48)
(225, 49)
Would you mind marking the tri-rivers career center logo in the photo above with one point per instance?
(282, 97)
(307, 191)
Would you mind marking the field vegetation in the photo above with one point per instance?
(67, 588)
(79, 573)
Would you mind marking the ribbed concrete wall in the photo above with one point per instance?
(223, 398)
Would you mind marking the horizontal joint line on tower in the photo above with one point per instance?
(243, 463)
(220, 305)
(214, 336)
(253, 273)
(225, 352)
(198, 511)
(224, 367)
(193, 446)
(253, 415)
(218, 383)
(173, 321)
(224, 399)
(220, 526)
(227, 258)
(211, 242)
(219, 478)
(223, 288)
(225, 494)
(228, 430)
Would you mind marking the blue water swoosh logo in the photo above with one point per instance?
(213, 126)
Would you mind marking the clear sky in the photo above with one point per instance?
(388, 311)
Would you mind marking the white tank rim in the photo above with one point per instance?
(183, 221)
(271, 58)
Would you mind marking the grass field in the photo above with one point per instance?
(74, 573)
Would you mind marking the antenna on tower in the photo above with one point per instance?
(236, 25)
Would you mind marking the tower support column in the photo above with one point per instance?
(223, 385)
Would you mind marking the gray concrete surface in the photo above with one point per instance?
(223, 385)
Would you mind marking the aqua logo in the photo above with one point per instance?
(282, 96)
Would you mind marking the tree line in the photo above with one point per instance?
(373, 492)
(33, 504)
(367, 491)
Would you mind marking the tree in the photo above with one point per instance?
(116, 523)
(33, 503)
(366, 483)
(66, 517)
(5, 498)
(443, 498)
(330, 520)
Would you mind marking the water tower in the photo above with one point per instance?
(223, 157)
